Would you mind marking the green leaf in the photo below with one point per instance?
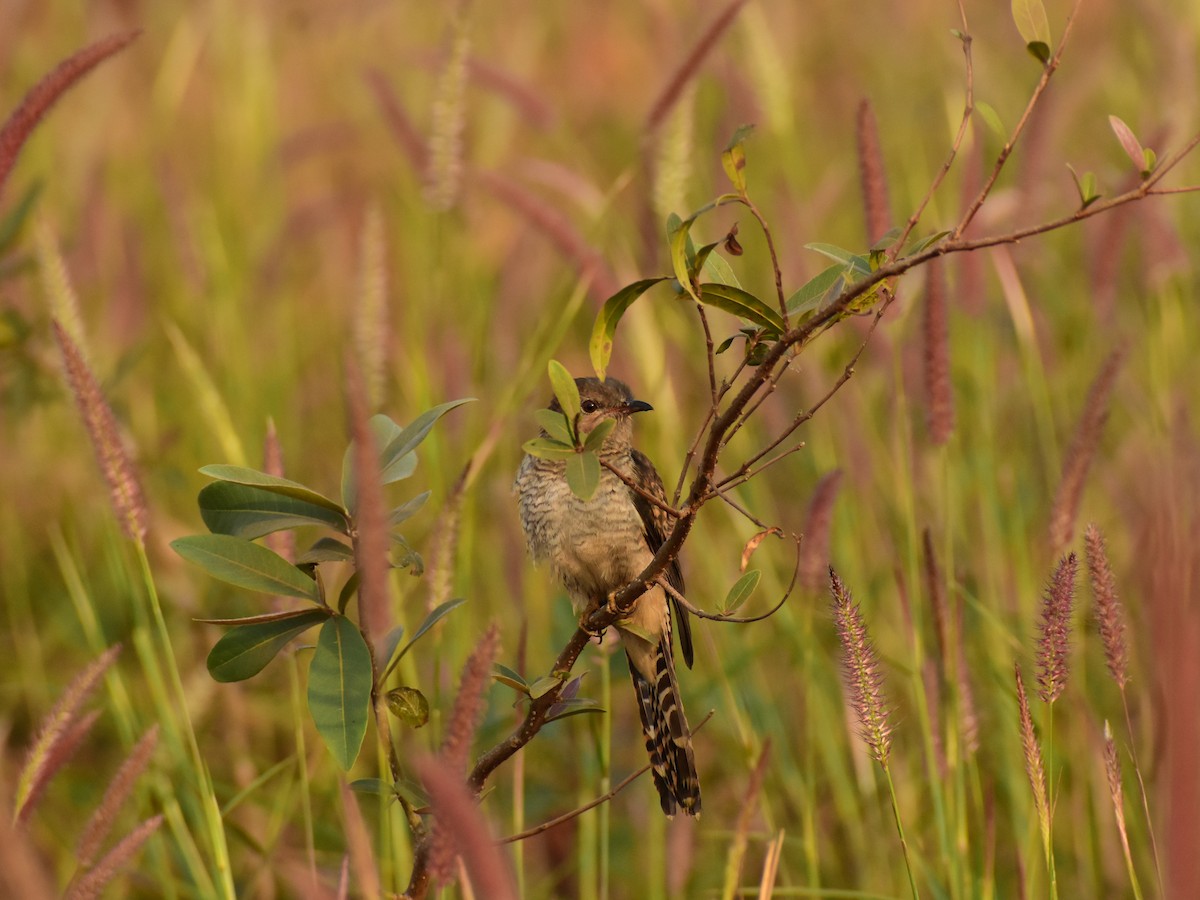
(246, 565)
(1128, 141)
(243, 475)
(1086, 186)
(733, 159)
(544, 685)
(742, 304)
(411, 436)
(595, 438)
(565, 390)
(545, 448)
(383, 431)
(682, 254)
(407, 509)
(605, 326)
(583, 474)
(376, 786)
(339, 689)
(409, 706)
(250, 512)
(555, 424)
(326, 549)
(922, 243)
(1150, 160)
(990, 117)
(814, 290)
(348, 591)
(574, 707)
(245, 649)
(717, 269)
(741, 591)
(511, 678)
(1030, 18)
(387, 648)
(435, 616)
(834, 252)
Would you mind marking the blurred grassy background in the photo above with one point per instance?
(209, 188)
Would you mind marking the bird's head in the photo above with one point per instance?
(608, 399)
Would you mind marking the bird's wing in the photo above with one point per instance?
(657, 524)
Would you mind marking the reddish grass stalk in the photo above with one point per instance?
(282, 542)
(939, 393)
(557, 229)
(398, 120)
(92, 883)
(125, 490)
(1054, 641)
(371, 542)
(462, 833)
(814, 553)
(21, 122)
(118, 791)
(872, 174)
(741, 831)
(690, 67)
(1109, 614)
(1080, 452)
(49, 749)
(860, 668)
(1112, 768)
(444, 171)
(1034, 767)
(358, 844)
(370, 325)
(435, 861)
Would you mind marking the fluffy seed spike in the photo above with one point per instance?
(1109, 612)
(1054, 643)
(860, 668)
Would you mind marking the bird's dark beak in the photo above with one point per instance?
(636, 406)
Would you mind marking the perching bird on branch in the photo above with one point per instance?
(596, 547)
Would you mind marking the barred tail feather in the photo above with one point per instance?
(668, 739)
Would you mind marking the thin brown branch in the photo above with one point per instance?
(740, 620)
(963, 125)
(1035, 98)
(641, 491)
(21, 122)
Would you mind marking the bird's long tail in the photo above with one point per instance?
(668, 739)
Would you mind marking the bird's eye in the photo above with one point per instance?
(589, 406)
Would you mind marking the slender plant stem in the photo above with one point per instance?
(912, 880)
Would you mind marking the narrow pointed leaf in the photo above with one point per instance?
(407, 509)
(742, 304)
(601, 345)
(245, 564)
(1129, 142)
(326, 549)
(545, 448)
(435, 616)
(554, 423)
(574, 707)
(809, 296)
(244, 650)
(583, 474)
(565, 389)
(595, 438)
(733, 159)
(510, 677)
(339, 689)
(990, 117)
(679, 242)
(255, 478)
(717, 270)
(544, 685)
(741, 591)
(251, 512)
(412, 435)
